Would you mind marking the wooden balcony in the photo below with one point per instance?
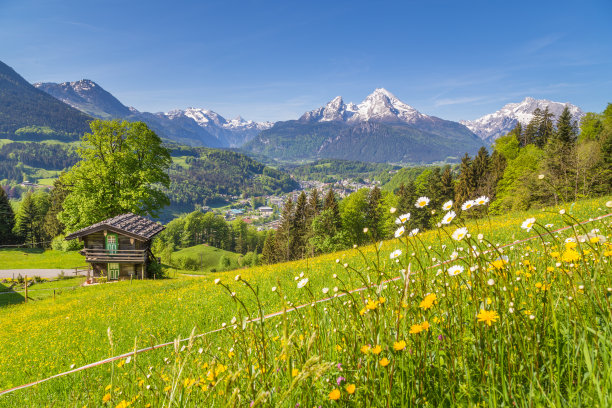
(118, 255)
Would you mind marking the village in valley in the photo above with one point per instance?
(309, 204)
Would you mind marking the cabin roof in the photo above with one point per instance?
(128, 224)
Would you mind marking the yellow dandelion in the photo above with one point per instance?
(487, 316)
(334, 395)
(399, 345)
(106, 398)
(377, 350)
(350, 388)
(428, 301)
(384, 362)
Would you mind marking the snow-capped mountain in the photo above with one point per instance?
(491, 126)
(193, 125)
(86, 96)
(380, 106)
(380, 129)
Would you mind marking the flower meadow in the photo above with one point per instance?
(468, 314)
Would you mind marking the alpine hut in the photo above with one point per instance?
(119, 247)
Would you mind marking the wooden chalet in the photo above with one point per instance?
(119, 247)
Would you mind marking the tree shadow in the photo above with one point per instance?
(8, 296)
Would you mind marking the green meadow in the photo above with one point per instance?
(522, 325)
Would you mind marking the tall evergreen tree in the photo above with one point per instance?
(331, 204)
(374, 213)
(298, 232)
(545, 127)
(447, 189)
(283, 232)
(52, 225)
(560, 163)
(466, 185)
(480, 169)
(27, 220)
(269, 254)
(406, 197)
(7, 219)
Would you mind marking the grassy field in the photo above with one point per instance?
(206, 258)
(527, 325)
(36, 258)
(39, 291)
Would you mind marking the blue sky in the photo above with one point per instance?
(274, 60)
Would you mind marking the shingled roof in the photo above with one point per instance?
(129, 224)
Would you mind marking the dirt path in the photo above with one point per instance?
(43, 273)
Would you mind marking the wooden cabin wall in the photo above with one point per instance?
(94, 241)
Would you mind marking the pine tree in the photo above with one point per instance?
(268, 254)
(447, 190)
(7, 219)
(298, 232)
(434, 189)
(518, 133)
(332, 204)
(545, 127)
(26, 220)
(465, 184)
(314, 204)
(560, 163)
(480, 168)
(497, 165)
(374, 215)
(406, 197)
(51, 224)
(283, 232)
(531, 131)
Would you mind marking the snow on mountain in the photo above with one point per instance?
(234, 133)
(491, 126)
(380, 106)
(86, 96)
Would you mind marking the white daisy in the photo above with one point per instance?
(528, 224)
(395, 254)
(448, 217)
(467, 205)
(459, 233)
(422, 202)
(399, 232)
(482, 200)
(402, 218)
(447, 205)
(455, 270)
(413, 232)
(302, 283)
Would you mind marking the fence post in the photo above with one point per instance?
(54, 295)
(26, 289)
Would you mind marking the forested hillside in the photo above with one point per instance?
(210, 174)
(27, 113)
(330, 170)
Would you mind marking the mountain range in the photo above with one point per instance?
(491, 126)
(381, 128)
(193, 126)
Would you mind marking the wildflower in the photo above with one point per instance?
(455, 270)
(106, 397)
(395, 254)
(562, 211)
(340, 379)
(325, 290)
(467, 205)
(334, 395)
(491, 282)
(499, 263)
(384, 362)
(399, 345)
(482, 200)
(350, 388)
(528, 224)
(448, 217)
(422, 202)
(371, 305)
(454, 255)
(425, 325)
(447, 205)
(428, 301)
(413, 232)
(399, 232)
(302, 283)
(365, 349)
(273, 288)
(295, 372)
(402, 218)
(609, 204)
(570, 256)
(237, 278)
(415, 329)
(487, 316)
(541, 177)
(377, 349)
(392, 210)
(459, 233)
(365, 230)
(217, 281)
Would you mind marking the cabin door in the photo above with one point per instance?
(113, 271)
(111, 243)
